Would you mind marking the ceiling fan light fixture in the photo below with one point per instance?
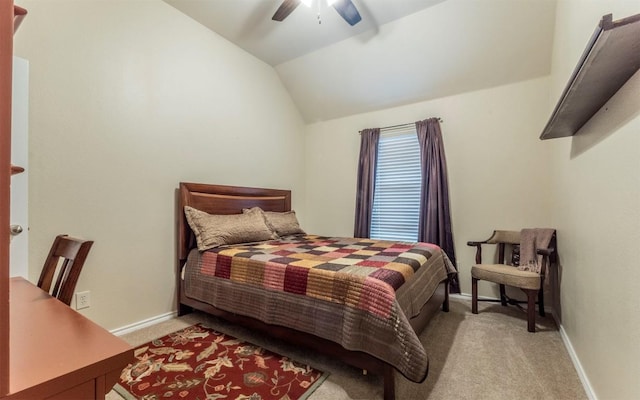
(345, 8)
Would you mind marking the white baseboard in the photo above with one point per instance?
(567, 344)
(576, 363)
(144, 323)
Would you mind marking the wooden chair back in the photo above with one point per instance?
(64, 263)
(508, 243)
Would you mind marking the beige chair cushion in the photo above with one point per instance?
(506, 275)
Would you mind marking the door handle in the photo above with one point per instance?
(15, 230)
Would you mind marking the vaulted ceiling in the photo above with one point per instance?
(403, 51)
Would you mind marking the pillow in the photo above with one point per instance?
(283, 223)
(214, 230)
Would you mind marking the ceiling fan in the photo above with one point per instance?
(345, 8)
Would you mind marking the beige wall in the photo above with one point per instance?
(502, 175)
(596, 208)
(498, 176)
(128, 98)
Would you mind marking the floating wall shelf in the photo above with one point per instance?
(611, 57)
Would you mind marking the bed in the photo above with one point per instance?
(369, 319)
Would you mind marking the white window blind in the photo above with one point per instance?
(396, 200)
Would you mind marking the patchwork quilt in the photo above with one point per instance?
(347, 290)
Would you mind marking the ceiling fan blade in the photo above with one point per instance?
(348, 11)
(285, 9)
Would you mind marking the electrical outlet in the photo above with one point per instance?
(83, 300)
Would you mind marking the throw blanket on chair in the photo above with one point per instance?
(530, 241)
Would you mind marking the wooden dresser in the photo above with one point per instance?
(57, 353)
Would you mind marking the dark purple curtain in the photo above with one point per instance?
(366, 181)
(435, 218)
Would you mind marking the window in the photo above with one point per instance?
(396, 200)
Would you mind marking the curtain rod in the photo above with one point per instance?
(403, 125)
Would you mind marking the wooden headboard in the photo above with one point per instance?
(220, 199)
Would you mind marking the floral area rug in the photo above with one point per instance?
(198, 363)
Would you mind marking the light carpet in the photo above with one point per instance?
(485, 356)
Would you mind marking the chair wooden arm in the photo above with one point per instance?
(478, 246)
(545, 252)
(548, 253)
